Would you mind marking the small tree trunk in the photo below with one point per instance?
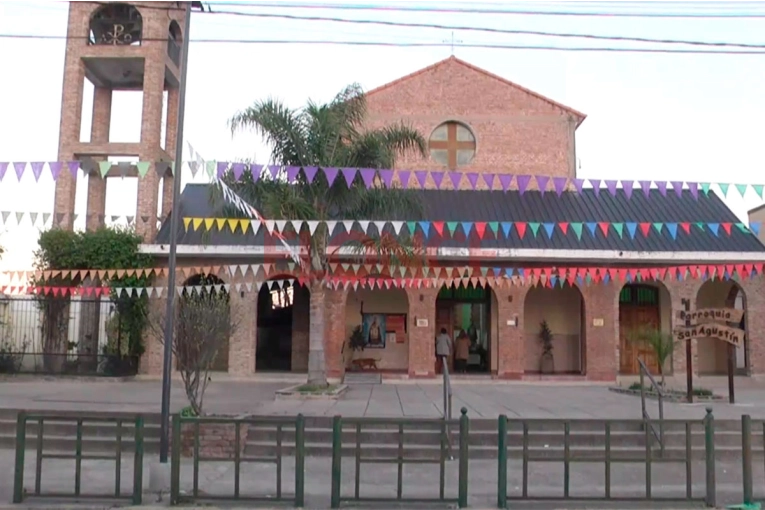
(317, 370)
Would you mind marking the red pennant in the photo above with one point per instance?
(633, 274)
(644, 274)
(46, 290)
(663, 273)
(760, 268)
(726, 227)
(520, 226)
(682, 270)
(88, 291)
(686, 227)
(730, 268)
(439, 226)
(581, 272)
(570, 279)
(622, 274)
(480, 228)
(645, 228)
(654, 273)
(604, 227)
(548, 272)
(563, 226)
(741, 270)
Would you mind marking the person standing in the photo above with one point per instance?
(461, 353)
(443, 347)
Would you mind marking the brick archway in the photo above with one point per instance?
(713, 354)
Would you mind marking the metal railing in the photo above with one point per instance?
(608, 458)
(747, 461)
(279, 424)
(23, 419)
(447, 408)
(659, 435)
(400, 459)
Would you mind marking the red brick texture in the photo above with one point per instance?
(422, 346)
(516, 130)
(216, 440)
(511, 345)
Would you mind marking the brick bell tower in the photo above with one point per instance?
(119, 47)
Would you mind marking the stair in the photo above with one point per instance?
(362, 378)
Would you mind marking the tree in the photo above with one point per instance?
(203, 324)
(661, 344)
(330, 135)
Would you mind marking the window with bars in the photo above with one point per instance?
(639, 295)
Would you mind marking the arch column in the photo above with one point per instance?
(511, 354)
(422, 340)
(243, 343)
(755, 321)
(601, 312)
(334, 333)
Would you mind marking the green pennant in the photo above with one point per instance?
(411, 226)
(758, 188)
(345, 266)
(619, 227)
(291, 266)
(741, 189)
(700, 224)
(743, 228)
(451, 226)
(172, 167)
(143, 168)
(724, 188)
(104, 167)
(402, 271)
(658, 226)
(494, 227)
(534, 226)
(705, 187)
(484, 271)
(577, 228)
(210, 168)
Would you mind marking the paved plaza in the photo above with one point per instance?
(406, 398)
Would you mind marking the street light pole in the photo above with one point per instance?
(167, 361)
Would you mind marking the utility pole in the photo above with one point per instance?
(167, 361)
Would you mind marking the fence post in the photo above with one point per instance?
(21, 446)
(709, 447)
(502, 461)
(462, 500)
(175, 460)
(746, 458)
(337, 452)
(138, 462)
(300, 461)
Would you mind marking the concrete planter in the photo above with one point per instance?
(294, 393)
(670, 396)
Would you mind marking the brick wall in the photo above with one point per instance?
(516, 131)
(422, 347)
(216, 440)
(510, 348)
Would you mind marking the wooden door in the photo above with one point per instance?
(443, 320)
(632, 317)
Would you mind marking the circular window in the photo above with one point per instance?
(452, 144)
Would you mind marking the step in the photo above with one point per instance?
(68, 444)
(55, 428)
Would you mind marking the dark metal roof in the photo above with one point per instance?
(532, 206)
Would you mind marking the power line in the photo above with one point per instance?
(423, 45)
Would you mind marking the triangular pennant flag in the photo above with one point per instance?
(542, 181)
(523, 183)
(705, 186)
(438, 178)
(104, 167)
(740, 187)
(577, 228)
(403, 176)
(19, 168)
(591, 226)
(507, 226)
(4, 168)
(142, 168)
(672, 228)
(37, 168)
(549, 227)
(422, 177)
(619, 228)
(724, 188)
(658, 226)
(349, 174)
(631, 228)
(451, 226)
(505, 181)
(520, 227)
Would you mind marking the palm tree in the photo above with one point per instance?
(330, 135)
(661, 344)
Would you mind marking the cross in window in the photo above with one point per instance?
(452, 145)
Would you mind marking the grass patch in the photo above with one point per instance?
(698, 392)
(313, 388)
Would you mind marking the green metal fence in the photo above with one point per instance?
(748, 430)
(401, 426)
(39, 421)
(607, 459)
(280, 425)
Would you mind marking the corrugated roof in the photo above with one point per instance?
(532, 206)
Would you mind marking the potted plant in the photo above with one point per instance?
(658, 343)
(546, 361)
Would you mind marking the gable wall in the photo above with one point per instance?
(516, 132)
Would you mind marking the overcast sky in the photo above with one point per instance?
(664, 116)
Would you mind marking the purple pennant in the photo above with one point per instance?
(489, 180)
(292, 173)
(438, 178)
(678, 187)
(310, 173)
(256, 171)
(222, 166)
(472, 179)
(595, 186)
(646, 187)
(3, 169)
(55, 169)
(368, 176)
(523, 183)
(238, 170)
(349, 174)
(74, 166)
(559, 183)
(331, 174)
(693, 187)
(611, 186)
(274, 170)
(627, 187)
(505, 181)
(387, 177)
(404, 175)
(455, 178)
(578, 184)
(19, 167)
(422, 177)
(662, 187)
(542, 181)
(37, 168)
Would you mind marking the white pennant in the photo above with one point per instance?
(364, 226)
(270, 226)
(232, 270)
(225, 286)
(238, 287)
(331, 226)
(397, 226)
(248, 286)
(243, 269)
(312, 225)
(348, 224)
(280, 224)
(179, 290)
(296, 224)
(380, 226)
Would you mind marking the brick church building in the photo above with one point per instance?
(476, 124)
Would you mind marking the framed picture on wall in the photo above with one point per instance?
(373, 329)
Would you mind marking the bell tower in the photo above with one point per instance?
(121, 46)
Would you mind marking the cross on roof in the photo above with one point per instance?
(452, 145)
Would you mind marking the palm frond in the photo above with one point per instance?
(387, 249)
(281, 126)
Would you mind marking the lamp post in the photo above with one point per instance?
(167, 361)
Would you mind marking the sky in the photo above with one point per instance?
(661, 116)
